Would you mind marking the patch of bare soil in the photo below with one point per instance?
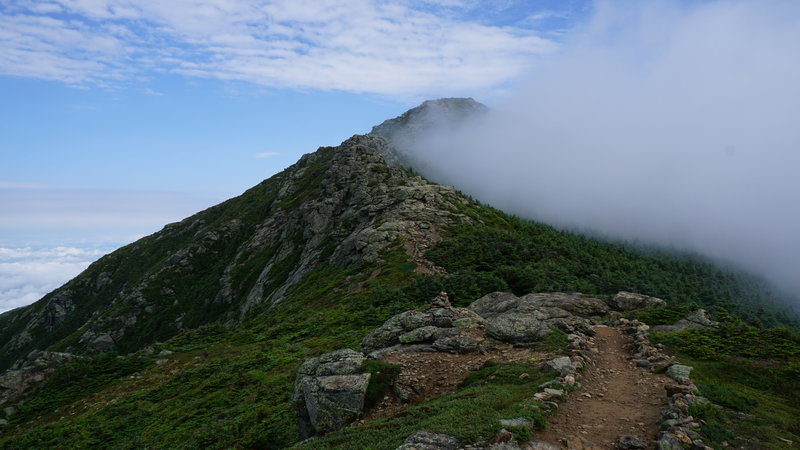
(427, 374)
(616, 398)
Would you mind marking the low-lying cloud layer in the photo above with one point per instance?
(667, 122)
(37, 220)
(27, 274)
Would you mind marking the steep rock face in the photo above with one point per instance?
(340, 205)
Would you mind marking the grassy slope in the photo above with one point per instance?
(753, 373)
(231, 388)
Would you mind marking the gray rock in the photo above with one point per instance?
(673, 388)
(332, 402)
(557, 394)
(329, 391)
(494, 304)
(3, 422)
(419, 325)
(561, 365)
(643, 363)
(385, 336)
(520, 422)
(678, 372)
(630, 443)
(10, 379)
(667, 441)
(423, 440)
(339, 362)
(401, 394)
(695, 319)
(527, 319)
(9, 411)
(516, 328)
(455, 340)
(627, 301)
(573, 303)
(539, 445)
(422, 334)
(465, 323)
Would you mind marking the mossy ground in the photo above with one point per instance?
(752, 373)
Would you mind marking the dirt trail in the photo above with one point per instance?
(616, 398)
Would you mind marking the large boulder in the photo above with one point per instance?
(575, 304)
(529, 318)
(332, 402)
(628, 301)
(695, 319)
(517, 328)
(426, 326)
(329, 392)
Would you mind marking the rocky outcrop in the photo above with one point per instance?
(695, 319)
(343, 206)
(411, 127)
(529, 318)
(441, 327)
(629, 301)
(28, 372)
(329, 392)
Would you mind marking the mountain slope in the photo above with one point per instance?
(310, 260)
(341, 205)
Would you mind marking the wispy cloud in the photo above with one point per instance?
(391, 48)
(267, 154)
(27, 274)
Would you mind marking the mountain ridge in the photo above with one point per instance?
(309, 260)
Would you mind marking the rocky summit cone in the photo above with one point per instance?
(330, 302)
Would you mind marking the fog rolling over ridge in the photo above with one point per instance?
(667, 123)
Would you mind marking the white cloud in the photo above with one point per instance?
(27, 274)
(267, 154)
(392, 48)
(667, 122)
(50, 217)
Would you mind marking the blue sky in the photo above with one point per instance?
(118, 116)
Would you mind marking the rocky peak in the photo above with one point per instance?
(431, 115)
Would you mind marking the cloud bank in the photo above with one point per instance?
(665, 122)
(35, 220)
(371, 46)
(27, 274)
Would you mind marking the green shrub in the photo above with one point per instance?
(380, 381)
(725, 395)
